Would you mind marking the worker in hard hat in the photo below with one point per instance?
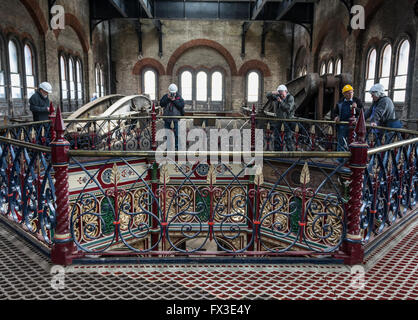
(173, 105)
(348, 106)
(382, 112)
(39, 102)
(284, 105)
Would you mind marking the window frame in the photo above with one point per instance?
(193, 95)
(395, 74)
(338, 60)
(79, 93)
(3, 68)
(260, 87)
(206, 72)
(21, 74)
(330, 61)
(322, 65)
(367, 69)
(222, 72)
(34, 68)
(388, 88)
(157, 78)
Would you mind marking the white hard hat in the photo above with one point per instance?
(379, 88)
(172, 88)
(46, 86)
(282, 87)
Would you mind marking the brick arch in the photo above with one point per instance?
(324, 32)
(35, 11)
(370, 10)
(201, 43)
(148, 62)
(254, 64)
(72, 21)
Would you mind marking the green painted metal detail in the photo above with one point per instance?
(107, 215)
(295, 217)
(202, 208)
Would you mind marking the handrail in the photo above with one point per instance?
(24, 144)
(264, 154)
(391, 146)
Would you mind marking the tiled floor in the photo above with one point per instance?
(390, 272)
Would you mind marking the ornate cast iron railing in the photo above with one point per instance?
(109, 197)
(27, 192)
(176, 209)
(390, 190)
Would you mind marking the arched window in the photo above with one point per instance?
(201, 86)
(186, 85)
(71, 70)
(253, 86)
(102, 87)
(100, 90)
(401, 77)
(385, 68)
(63, 73)
(30, 71)
(97, 77)
(338, 66)
(217, 86)
(330, 67)
(150, 83)
(370, 73)
(304, 71)
(323, 69)
(79, 79)
(14, 71)
(2, 77)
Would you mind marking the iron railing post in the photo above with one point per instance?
(52, 124)
(358, 162)
(253, 128)
(63, 245)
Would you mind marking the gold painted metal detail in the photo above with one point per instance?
(211, 178)
(164, 174)
(115, 175)
(305, 176)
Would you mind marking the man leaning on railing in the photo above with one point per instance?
(382, 112)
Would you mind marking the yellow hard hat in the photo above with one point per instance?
(347, 88)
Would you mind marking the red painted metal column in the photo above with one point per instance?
(353, 246)
(63, 245)
(52, 119)
(154, 175)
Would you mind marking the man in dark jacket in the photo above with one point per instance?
(39, 102)
(343, 111)
(382, 113)
(173, 105)
(284, 105)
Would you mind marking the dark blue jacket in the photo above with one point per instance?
(343, 109)
(172, 108)
(39, 106)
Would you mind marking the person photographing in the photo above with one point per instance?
(173, 105)
(284, 106)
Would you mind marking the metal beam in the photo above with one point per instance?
(245, 27)
(259, 5)
(146, 6)
(266, 28)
